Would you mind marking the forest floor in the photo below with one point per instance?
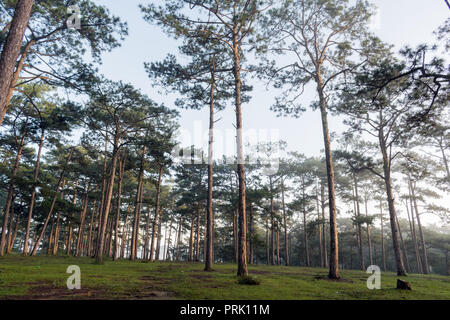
(44, 278)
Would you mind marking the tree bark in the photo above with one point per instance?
(137, 209)
(390, 198)
(383, 249)
(119, 196)
(109, 192)
(242, 270)
(33, 193)
(426, 268)
(209, 258)
(358, 214)
(334, 257)
(155, 220)
(11, 49)
(78, 250)
(52, 206)
(9, 199)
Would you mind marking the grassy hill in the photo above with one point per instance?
(45, 278)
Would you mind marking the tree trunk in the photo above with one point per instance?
(405, 253)
(412, 226)
(81, 228)
(107, 206)
(324, 226)
(155, 220)
(426, 268)
(69, 237)
(369, 239)
(209, 258)
(358, 215)
(52, 206)
(33, 194)
(334, 260)
(383, 249)
(9, 199)
(286, 244)
(135, 230)
(11, 49)
(242, 257)
(444, 159)
(390, 198)
(119, 196)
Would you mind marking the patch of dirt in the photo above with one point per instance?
(48, 291)
(333, 280)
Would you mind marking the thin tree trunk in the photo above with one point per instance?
(119, 196)
(334, 257)
(413, 234)
(107, 206)
(33, 194)
(242, 256)
(135, 229)
(286, 244)
(369, 239)
(69, 237)
(426, 268)
(209, 257)
(358, 215)
(390, 198)
(81, 228)
(52, 206)
(10, 196)
(155, 220)
(405, 253)
(383, 249)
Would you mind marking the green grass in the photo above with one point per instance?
(45, 278)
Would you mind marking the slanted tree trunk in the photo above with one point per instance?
(11, 50)
(119, 196)
(33, 194)
(78, 250)
(426, 268)
(135, 229)
(104, 187)
(390, 198)
(10, 196)
(405, 253)
(52, 206)
(107, 206)
(413, 235)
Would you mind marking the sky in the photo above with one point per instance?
(398, 22)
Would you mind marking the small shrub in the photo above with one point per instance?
(249, 281)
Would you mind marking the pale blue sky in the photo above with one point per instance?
(399, 22)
